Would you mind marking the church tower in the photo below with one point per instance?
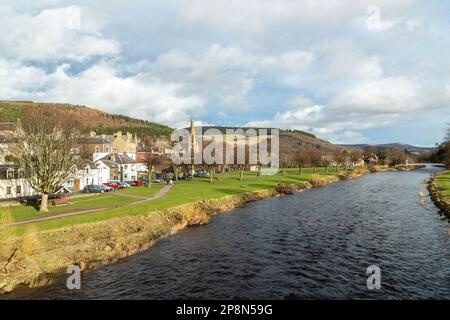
(193, 146)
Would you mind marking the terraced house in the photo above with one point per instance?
(12, 185)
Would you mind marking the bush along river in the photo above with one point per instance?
(316, 244)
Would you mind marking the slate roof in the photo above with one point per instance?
(81, 163)
(118, 158)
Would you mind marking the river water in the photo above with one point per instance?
(314, 244)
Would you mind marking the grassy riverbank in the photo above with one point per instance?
(35, 254)
(439, 188)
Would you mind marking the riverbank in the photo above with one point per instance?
(439, 188)
(36, 257)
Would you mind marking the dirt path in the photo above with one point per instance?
(161, 193)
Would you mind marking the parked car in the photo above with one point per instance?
(137, 183)
(107, 188)
(156, 181)
(123, 185)
(94, 189)
(113, 185)
(201, 174)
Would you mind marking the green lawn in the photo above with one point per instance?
(185, 192)
(142, 191)
(26, 212)
(444, 182)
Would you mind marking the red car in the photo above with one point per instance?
(112, 185)
(137, 183)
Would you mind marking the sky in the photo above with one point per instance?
(349, 71)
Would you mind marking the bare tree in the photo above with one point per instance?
(356, 155)
(447, 137)
(211, 169)
(151, 161)
(44, 150)
(447, 148)
(302, 158)
(316, 158)
(328, 161)
(176, 171)
(396, 156)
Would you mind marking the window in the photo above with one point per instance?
(10, 174)
(107, 149)
(133, 168)
(126, 167)
(97, 149)
(19, 189)
(8, 191)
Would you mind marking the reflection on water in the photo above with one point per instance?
(315, 244)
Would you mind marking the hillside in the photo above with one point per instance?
(411, 149)
(291, 141)
(87, 119)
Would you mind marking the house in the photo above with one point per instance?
(124, 144)
(107, 171)
(94, 144)
(12, 185)
(127, 166)
(5, 142)
(98, 146)
(85, 172)
(371, 160)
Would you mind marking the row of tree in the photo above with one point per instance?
(440, 154)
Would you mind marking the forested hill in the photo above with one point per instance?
(87, 119)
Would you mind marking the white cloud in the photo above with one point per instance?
(52, 34)
(100, 86)
(227, 74)
(306, 64)
(386, 95)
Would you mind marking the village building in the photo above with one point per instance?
(371, 160)
(107, 171)
(85, 172)
(125, 144)
(118, 144)
(94, 144)
(127, 166)
(12, 186)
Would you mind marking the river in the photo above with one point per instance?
(311, 245)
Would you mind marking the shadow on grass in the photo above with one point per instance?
(34, 203)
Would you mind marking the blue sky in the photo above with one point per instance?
(348, 71)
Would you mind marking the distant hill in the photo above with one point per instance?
(87, 119)
(402, 146)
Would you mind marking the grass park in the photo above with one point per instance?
(443, 182)
(183, 192)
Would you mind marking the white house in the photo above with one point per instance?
(11, 184)
(85, 172)
(127, 167)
